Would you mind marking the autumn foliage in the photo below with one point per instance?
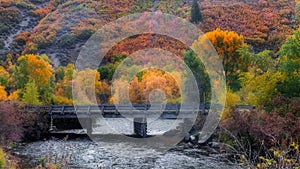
(227, 44)
(38, 70)
(3, 94)
(143, 41)
(33, 76)
(140, 90)
(254, 40)
(265, 24)
(13, 119)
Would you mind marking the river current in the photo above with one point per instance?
(111, 150)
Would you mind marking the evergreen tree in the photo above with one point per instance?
(200, 74)
(196, 15)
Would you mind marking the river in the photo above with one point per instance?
(111, 150)
(83, 153)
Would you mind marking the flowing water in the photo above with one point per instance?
(83, 153)
(113, 151)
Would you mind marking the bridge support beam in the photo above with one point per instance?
(140, 127)
(89, 126)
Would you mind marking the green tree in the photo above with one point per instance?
(31, 94)
(4, 77)
(260, 80)
(107, 71)
(201, 76)
(289, 65)
(258, 63)
(64, 77)
(196, 15)
(47, 92)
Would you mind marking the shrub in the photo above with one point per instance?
(232, 100)
(4, 77)
(263, 126)
(2, 44)
(2, 159)
(283, 105)
(84, 34)
(295, 106)
(3, 28)
(44, 39)
(258, 137)
(10, 15)
(60, 100)
(22, 38)
(52, 166)
(67, 40)
(13, 119)
(287, 156)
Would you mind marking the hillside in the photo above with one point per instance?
(59, 28)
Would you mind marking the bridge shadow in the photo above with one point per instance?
(138, 136)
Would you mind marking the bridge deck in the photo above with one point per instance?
(167, 111)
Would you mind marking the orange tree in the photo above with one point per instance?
(227, 44)
(146, 82)
(3, 94)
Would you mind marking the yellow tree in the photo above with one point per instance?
(39, 70)
(33, 68)
(14, 96)
(260, 81)
(120, 92)
(135, 90)
(260, 89)
(86, 85)
(104, 93)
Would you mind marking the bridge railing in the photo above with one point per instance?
(118, 110)
(113, 108)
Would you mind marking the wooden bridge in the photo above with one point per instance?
(139, 113)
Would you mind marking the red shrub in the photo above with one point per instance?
(295, 106)
(267, 127)
(13, 119)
